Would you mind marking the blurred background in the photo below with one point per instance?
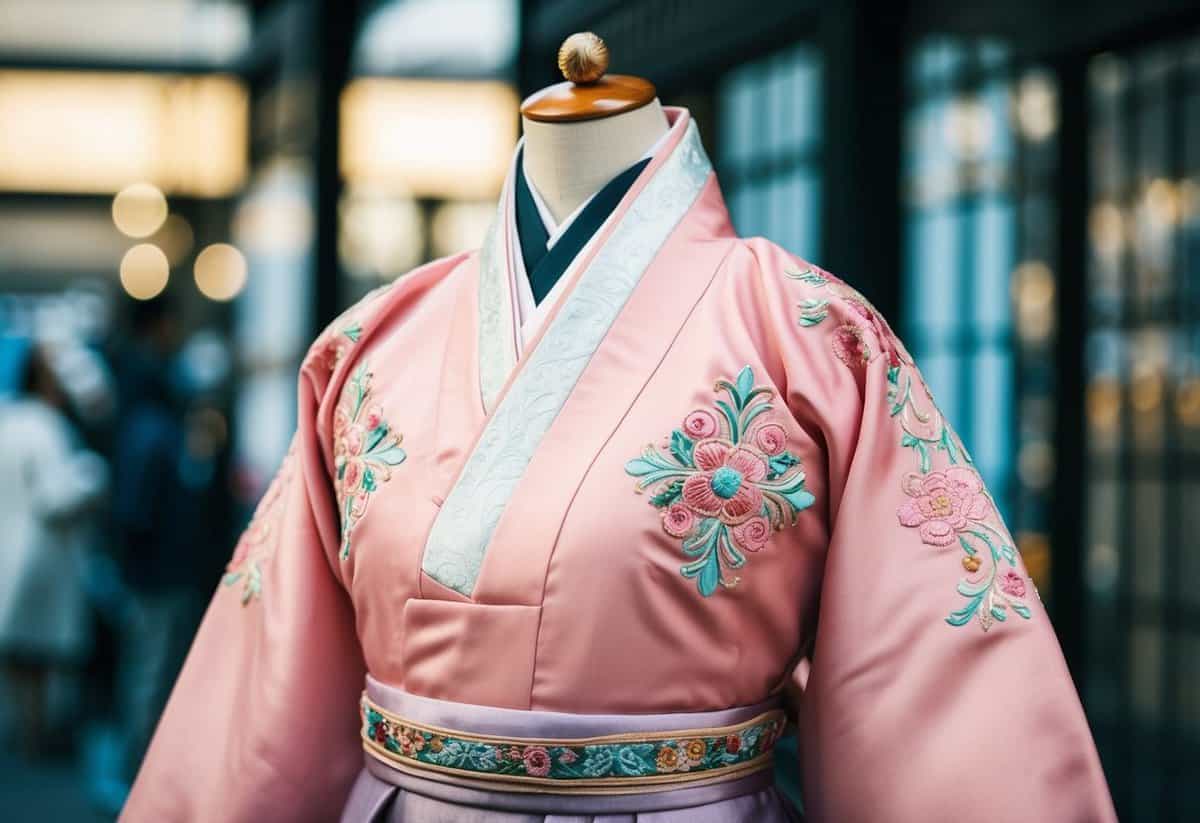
(191, 189)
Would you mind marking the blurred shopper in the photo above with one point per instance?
(155, 514)
(49, 488)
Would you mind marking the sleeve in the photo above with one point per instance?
(262, 721)
(935, 688)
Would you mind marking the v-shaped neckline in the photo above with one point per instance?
(527, 393)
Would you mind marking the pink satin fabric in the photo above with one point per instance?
(581, 607)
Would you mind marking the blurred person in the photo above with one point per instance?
(155, 515)
(49, 490)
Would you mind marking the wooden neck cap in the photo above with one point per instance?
(588, 93)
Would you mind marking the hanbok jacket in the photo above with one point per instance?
(601, 554)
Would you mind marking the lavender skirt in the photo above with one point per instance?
(383, 794)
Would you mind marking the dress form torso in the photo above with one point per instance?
(567, 162)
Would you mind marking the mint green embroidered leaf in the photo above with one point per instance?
(231, 577)
(353, 332)
(668, 495)
(963, 616)
(813, 312)
(967, 589)
(947, 445)
(639, 466)
(393, 455)
(681, 447)
(1021, 610)
(800, 499)
(808, 276)
(702, 539)
(745, 383)
(780, 463)
(732, 419)
(708, 575)
(999, 613)
(368, 481)
(375, 436)
(751, 412)
(253, 583)
(729, 549)
(634, 760)
(597, 761)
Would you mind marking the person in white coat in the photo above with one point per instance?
(49, 487)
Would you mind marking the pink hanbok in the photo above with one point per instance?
(592, 561)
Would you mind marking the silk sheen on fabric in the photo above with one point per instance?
(711, 478)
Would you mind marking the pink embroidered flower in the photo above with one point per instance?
(537, 761)
(889, 343)
(381, 731)
(850, 345)
(1013, 584)
(771, 438)
(512, 753)
(943, 503)
(700, 424)
(678, 520)
(725, 485)
(752, 535)
(352, 475)
(341, 419)
(568, 756)
(353, 439)
(373, 418)
(733, 743)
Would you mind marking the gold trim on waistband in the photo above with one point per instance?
(603, 764)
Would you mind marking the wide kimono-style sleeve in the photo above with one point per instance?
(934, 688)
(262, 722)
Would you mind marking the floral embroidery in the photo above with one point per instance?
(724, 482)
(947, 507)
(365, 450)
(256, 543)
(340, 343)
(849, 342)
(850, 345)
(943, 504)
(580, 760)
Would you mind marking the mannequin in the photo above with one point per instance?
(582, 561)
(581, 133)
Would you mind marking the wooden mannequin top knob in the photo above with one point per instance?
(589, 93)
(583, 58)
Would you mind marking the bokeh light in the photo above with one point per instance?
(969, 127)
(220, 272)
(1037, 106)
(139, 209)
(144, 271)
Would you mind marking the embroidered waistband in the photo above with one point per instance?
(630, 762)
